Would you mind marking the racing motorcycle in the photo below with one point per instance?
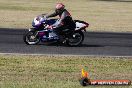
(42, 32)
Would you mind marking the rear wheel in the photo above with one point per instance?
(76, 39)
(30, 38)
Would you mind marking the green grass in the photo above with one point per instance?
(60, 72)
(105, 15)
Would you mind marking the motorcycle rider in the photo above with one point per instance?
(65, 20)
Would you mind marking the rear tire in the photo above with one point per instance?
(30, 39)
(76, 39)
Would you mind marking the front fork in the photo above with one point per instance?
(34, 31)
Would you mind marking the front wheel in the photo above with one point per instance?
(76, 39)
(30, 38)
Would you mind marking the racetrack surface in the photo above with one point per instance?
(95, 43)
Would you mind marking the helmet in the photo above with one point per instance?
(59, 6)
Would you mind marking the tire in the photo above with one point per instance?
(73, 41)
(31, 41)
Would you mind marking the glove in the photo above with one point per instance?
(45, 17)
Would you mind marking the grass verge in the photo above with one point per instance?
(60, 72)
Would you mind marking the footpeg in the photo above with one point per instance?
(65, 40)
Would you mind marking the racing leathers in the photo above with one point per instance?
(64, 22)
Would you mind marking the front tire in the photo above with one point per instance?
(76, 39)
(30, 38)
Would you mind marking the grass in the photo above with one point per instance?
(102, 15)
(60, 72)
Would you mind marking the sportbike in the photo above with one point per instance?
(41, 32)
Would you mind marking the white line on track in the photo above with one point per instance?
(63, 55)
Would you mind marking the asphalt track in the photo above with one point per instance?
(95, 43)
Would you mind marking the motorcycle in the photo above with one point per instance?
(42, 32)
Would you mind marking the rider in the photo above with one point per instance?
(65, 20)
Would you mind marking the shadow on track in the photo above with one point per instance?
(64, 45)
(86, 45)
